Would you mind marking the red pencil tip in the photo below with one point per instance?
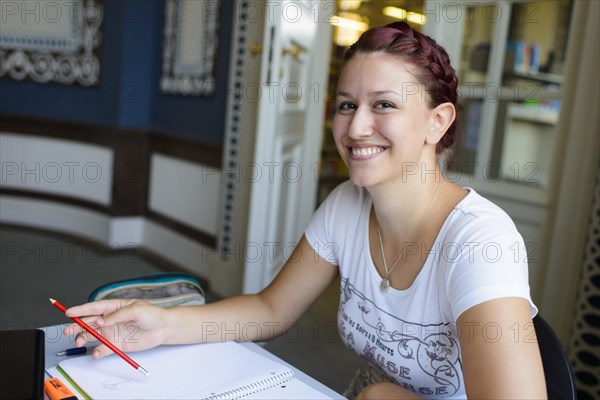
(52, 300)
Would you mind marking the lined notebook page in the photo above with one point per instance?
(201, 371)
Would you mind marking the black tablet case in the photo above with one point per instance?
(22, 364)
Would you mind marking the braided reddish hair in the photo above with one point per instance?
(431, 62)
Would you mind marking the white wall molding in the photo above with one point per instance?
(124, 233)
(181, 189)
(56, 166)
(176, 248)
(58, 217)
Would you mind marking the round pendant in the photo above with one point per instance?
(385, 284)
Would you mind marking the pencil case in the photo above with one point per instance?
(167, 289)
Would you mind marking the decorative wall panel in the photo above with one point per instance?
(56, 166)
(51, 41)
(185, 191)
(190, 47)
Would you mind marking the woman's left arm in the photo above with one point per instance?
(499, 350)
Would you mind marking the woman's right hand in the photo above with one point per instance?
(131, 325)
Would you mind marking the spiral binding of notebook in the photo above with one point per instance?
(255, 387)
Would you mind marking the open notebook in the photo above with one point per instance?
(203, 371)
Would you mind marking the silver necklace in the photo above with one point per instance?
(385, 282)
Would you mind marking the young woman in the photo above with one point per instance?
(435, 295)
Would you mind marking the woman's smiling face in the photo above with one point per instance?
(382, 120)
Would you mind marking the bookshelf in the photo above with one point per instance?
(510, 57)
(538, 76)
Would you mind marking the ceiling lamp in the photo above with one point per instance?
(349, 27)
(395, 12)
(348, 5)
(416, 18)
(401, 14)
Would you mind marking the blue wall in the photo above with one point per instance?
(187, 116)
(128, 94)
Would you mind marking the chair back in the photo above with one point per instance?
(560, 383)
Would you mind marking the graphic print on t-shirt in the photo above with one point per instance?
(422, 358)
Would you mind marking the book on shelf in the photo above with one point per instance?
(522, 56)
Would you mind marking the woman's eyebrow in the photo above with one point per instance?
(380, 92)
(372, 94)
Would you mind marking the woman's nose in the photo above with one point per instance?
(361, 125)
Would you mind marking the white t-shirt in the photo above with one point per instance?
(411, 334)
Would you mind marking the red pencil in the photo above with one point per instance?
(111, 346)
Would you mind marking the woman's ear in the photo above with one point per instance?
(441, 118)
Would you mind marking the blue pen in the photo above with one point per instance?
(72, 352)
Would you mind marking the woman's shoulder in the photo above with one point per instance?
(345, 200)
(475, 205)
(477, 215)
(337, 219)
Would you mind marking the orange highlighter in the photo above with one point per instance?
(56, 390)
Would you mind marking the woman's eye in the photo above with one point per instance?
(383, 105)
(345, 106)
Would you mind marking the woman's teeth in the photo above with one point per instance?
(366, 151)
